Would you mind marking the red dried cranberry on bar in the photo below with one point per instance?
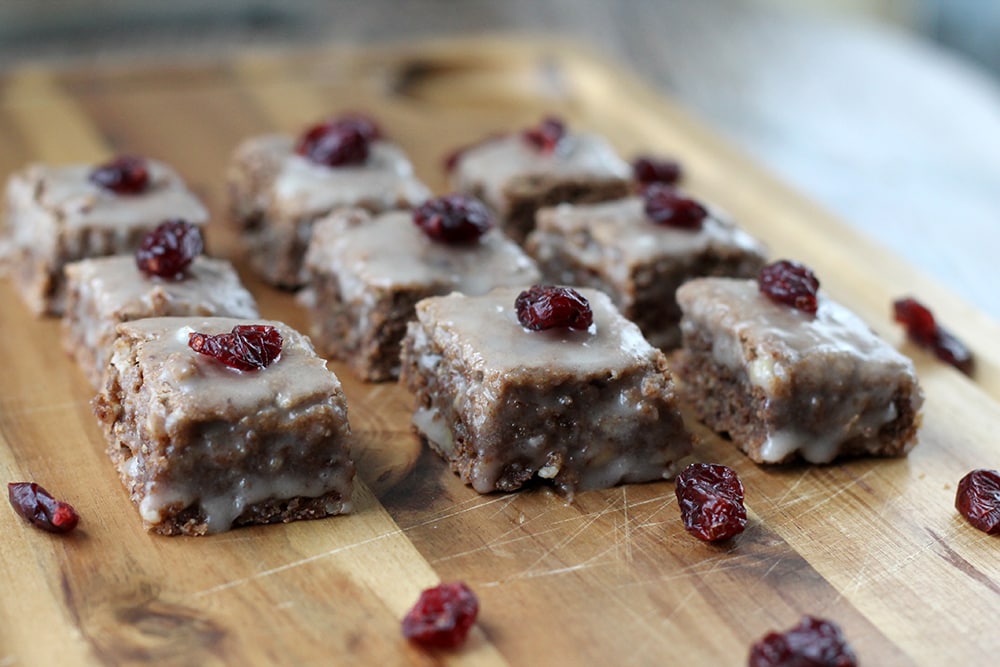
(453, 219)
(248, 347)
(648, 169)
(665, 206)
(551, 307)
(791, 284)
(169, 249)
(546, 135)
(123, 175)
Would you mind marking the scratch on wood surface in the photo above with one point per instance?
(720, 563)
(791, 487)
(530, 573)
(504, 540)
(775, 564)
(505, 506)
(290, 566)
(534, 570)
(665, 501)
(640, 648)
(666, 498)
(447, 515)
(859, 580)
(827, 498)
(627, 529)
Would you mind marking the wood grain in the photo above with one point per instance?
(610, 578)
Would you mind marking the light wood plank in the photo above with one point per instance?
(611, 578)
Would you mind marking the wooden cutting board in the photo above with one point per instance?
(608, 579)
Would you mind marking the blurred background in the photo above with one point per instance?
(56, 28)
(885, 111)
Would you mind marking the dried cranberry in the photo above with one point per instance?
(791, 284)
(442, 616)
(248, 347)
(338, 142)
(546, 135)
(711, 500)
(123, 175)
(363, 123)
(814, 642)
(647, 169)
(923, 329)
(40, 509)
(549, 307)
(665, 206)
(169, 249)
(978, 500)
(453, 219)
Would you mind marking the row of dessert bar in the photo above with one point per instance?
(819, 382)
(216, 422)
(566, 197)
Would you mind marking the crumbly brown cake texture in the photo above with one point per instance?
(275, 196)
(103, 292)
(366, 274)
(614, 247)
(516, 179)
(785, 384)
(202, 448)
(56, 215)
(504, 405)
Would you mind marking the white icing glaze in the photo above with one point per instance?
(618, 234)
(303, 188)
(491, 338)
(389, 250)
(116, 287)
(430, 422)
(78, 203)
(108, 290)
(856, 373)
(755, 323)
(824, 447)
(490, 166)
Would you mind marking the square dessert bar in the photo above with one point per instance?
(584, 409)
(277, 194)
(367, 273)
(202, 447)
(516, 177)
(103, 292)
(56, 215)
(784, 383)
(615, 247)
